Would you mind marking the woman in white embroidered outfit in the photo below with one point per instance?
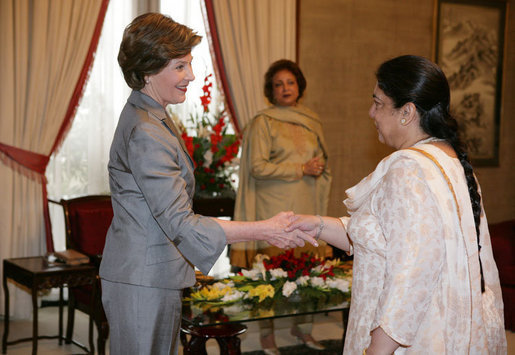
(283, 168)
(425, 281)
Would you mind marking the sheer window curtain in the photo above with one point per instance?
(47, 46)
(251, 34)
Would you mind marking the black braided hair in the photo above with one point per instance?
(416, 79)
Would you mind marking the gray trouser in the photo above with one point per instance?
(142, 320)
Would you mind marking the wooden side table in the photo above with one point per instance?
(37, 274)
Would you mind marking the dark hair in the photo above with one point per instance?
(277, 66)
(418, 80)
(149, 42)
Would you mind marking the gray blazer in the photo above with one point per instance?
(155, 239)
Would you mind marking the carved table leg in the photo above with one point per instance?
(196, 346)
(229, 345)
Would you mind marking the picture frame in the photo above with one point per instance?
(469, 47)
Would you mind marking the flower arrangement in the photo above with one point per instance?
(281, 278)
(211, 147)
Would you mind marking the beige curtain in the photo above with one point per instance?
(144, 6)
(44, 44)
(252, 35)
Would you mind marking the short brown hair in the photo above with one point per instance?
(149, 42)
(277, 66)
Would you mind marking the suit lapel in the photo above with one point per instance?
(168, 123)
(148, 104)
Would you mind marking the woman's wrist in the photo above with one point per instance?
(321, 227)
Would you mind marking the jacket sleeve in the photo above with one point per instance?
(159, 167)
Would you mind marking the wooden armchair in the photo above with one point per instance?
(87, 220)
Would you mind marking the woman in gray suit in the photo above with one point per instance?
(155, 239)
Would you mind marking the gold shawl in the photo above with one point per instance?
(242, 254)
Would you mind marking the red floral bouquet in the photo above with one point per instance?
(212, 148)
(297, 267)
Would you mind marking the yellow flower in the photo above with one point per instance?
(210, 293)
(262, 291)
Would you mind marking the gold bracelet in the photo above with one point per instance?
(365, 351)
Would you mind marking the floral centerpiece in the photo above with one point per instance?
(278, 279)
(212, 148)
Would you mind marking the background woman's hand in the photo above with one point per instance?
(313, 167)
(279, 237)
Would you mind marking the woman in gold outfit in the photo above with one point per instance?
(283, 168)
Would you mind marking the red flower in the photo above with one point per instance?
(205, 99)
(212, 173)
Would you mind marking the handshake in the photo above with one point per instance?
(287, 230)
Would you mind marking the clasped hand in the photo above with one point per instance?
(313, 167)
(288, 230)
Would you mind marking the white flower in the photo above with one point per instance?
(232, 296)
(340, 284)
(318, 269)
(253, 274)
(303, 280)
(317, 282)
(288, 288)
(219, 285)
(278, 273)
(230, 283)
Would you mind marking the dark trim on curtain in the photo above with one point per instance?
(219, 62)
(70, 112)
(34, 162)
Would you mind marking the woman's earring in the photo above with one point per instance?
(403, 121)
